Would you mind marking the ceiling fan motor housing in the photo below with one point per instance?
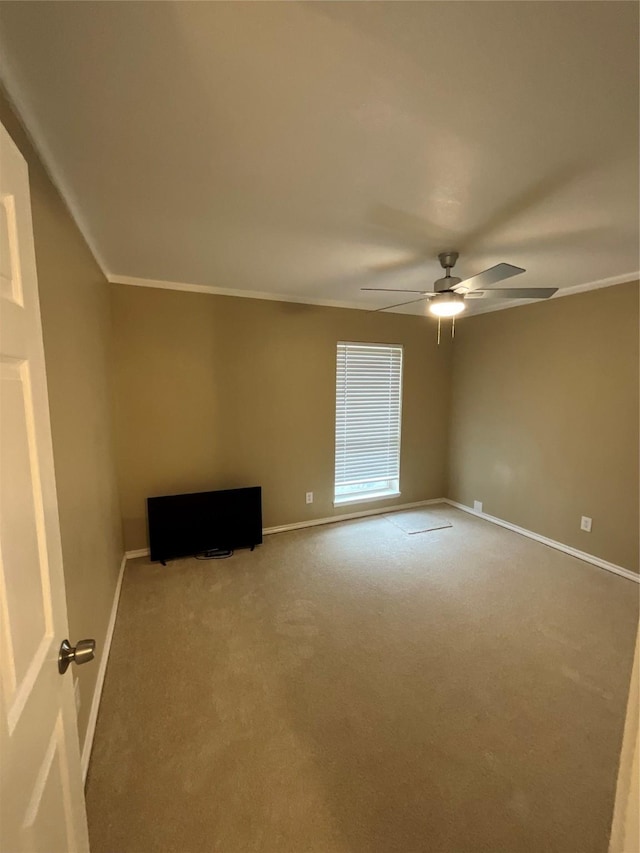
(446, 283)
(448, 259)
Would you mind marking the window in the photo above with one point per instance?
(368, 407)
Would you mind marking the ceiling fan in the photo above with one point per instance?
(447, 299)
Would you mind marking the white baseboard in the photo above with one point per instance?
(97, 693)
(332, 519)
(314, 522)
(139, 552)
(559, 546)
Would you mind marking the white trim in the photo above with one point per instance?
(489, 307)
(139, 552)
(315, 522)
(230, 291)
(97, 693)
(297, 525)
(559, 546)
(478, 307)
(361, 499)
(596, 285)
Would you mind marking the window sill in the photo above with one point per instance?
(359, 499)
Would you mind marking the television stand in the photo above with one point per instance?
(215, 554)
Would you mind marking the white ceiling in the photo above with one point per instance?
(305, 150)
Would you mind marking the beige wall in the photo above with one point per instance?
(76, 329)
(544, 419)
(217, 392)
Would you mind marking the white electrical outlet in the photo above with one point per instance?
(76, 690)
(477, 506)
(309, 497)
(585, 523)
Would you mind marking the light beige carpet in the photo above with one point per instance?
(352, 689)
(418, 520)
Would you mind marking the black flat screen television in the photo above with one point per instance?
(184, 525)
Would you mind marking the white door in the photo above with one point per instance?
(42, 800)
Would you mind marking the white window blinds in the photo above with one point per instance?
(368, 410)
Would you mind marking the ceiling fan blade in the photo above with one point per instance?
(399, 304)
(491, 276)
(522, 292)
(393, 290)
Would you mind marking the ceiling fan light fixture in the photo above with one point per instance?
(447, 304)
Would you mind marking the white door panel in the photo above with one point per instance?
(41, 797)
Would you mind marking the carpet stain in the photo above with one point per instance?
(559, 637)
(585, 682)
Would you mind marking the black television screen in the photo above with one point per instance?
(184, 525)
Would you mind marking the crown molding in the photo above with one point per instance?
(329, 303)
(37, 138)
(229, 291)
(627, 278)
